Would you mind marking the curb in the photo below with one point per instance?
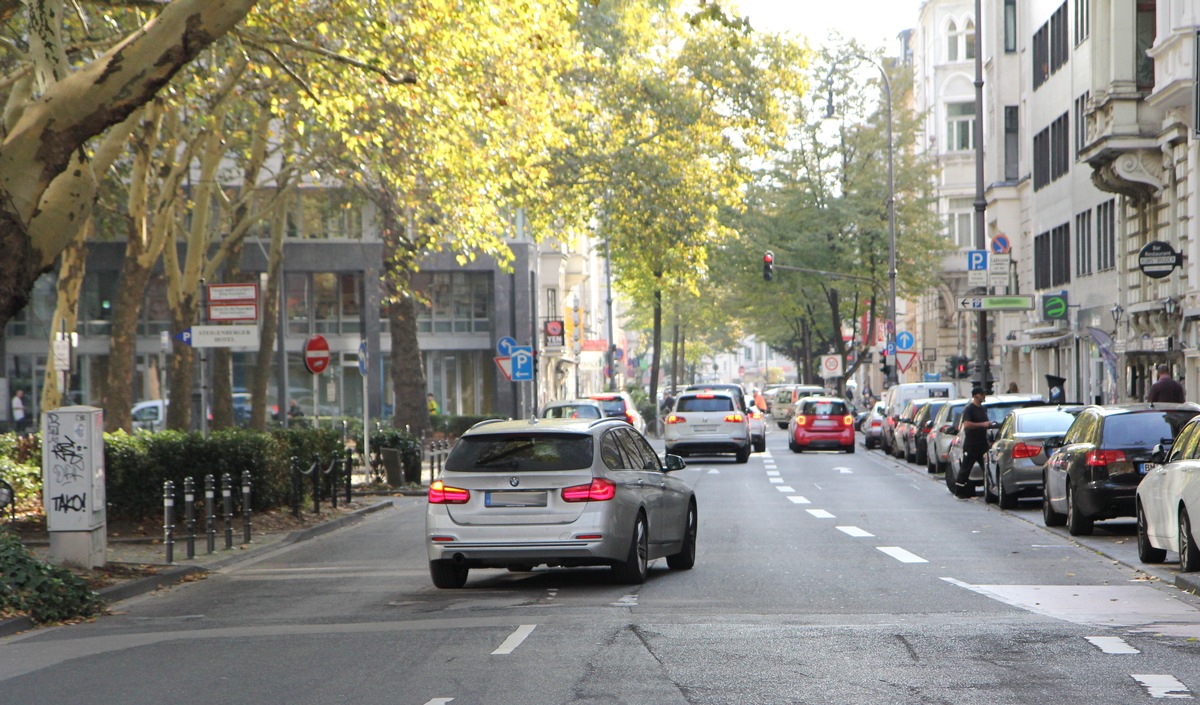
(178, 573)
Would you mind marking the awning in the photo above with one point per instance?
(1046, 342)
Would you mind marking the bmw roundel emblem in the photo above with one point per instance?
(514, 481)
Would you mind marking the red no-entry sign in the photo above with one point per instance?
(316, 354)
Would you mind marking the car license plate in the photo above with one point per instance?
(515, 499)
(704, 429)
(1144, 468)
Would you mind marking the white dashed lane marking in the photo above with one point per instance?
(785, 489)
(797, 499)
(772, 473)
(626, 601)
(514, 640)
(775, 480)
(901, 555)
(820, 513)
(854, 531)
(1161, 686)
(1112, 645)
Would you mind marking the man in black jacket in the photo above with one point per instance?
(1166, 389)
(975, 425)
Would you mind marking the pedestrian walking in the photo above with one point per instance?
(430, 402)
(18, 410)
(1166, 389)
(976, 424)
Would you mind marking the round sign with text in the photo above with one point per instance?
(1158, 259)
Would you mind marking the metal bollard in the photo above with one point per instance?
(333, 480)
(245, 506)
(169, 519)
(211, 507)
(442, 445)
(227, 496)
(189, 511)
(349, 467)
(295, 486)
(316, 483)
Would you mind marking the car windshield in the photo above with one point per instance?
(705, 403)
(572, 411)
(613, 407)
(528, 452)
(1049, 422)
(823, 408)
(998, 412)
(1143, 429)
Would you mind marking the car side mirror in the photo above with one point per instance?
(953, 430)
(1159, 453)
(1052, 443)
(674, 462)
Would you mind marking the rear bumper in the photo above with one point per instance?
(1105, 500)
(500, 545)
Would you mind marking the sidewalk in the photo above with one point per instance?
(137, 556)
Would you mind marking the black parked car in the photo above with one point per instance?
(1095, 473)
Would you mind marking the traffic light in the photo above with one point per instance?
(768, 266)
(960, 366)
(883, 362)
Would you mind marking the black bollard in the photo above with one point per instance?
(295, 486)
(169, 519)
(211, 507)
(333, 480)
(189, 512)
(349, 467)
(227, 496)
(316, 483)
(245, 506)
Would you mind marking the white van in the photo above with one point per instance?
(150, 415)
(896, 398)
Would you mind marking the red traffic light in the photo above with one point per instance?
(768, 265)
(769, 258)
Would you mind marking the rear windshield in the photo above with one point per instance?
(823, 408)
(613, 407)
(999, 412)
(1144, 429)
(713, 403)
(581, 411)
(525, 452)
(1049, 422)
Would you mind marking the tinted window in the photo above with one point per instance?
(1185, 445)
(613, 407)
(823, 408)
(998, 412)
(527, 452)
(640, 454)
(1051, 422)
(580, 411)
(1081, 430)
(704, 403)
(1143, 429)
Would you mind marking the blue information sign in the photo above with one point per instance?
(904, 340)
(977, 260)
(522, 363)
(504, 346)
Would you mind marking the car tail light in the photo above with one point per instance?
(629, 418)
(1024, 450)
(441, 493)
(756, 414)
(734, 418)
(1104, 458)
(801, 420)
(676, 418)
(876, 423)
(847, 420)
(598, 490)
(704, 396)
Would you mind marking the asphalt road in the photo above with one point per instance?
(821, 578)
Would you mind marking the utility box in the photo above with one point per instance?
(73, 485)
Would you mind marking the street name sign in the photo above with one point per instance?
(220, 337)
(995, 303)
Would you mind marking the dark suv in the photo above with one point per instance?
(1094, 474)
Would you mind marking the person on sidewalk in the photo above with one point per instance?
(1166, 389)
(430, 402)
(975, 423)
(18, 410)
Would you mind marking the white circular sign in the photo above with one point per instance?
(831, 365)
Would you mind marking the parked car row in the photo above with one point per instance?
(1087, 463)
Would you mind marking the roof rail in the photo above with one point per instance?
(489, 421)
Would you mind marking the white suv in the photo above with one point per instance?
(708, 421)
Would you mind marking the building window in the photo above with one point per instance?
(969, 40)
(1081, 105)
(453, 302)
(1051, 152)
(1083, 243)
(552, 311)
(960, 43)
(952, 42)
(1012, 143)
(1052, 258)
(960, 222)
(1059, 39)
(1144, 34)
(1083, 20)
(1106, 236)
(1010, 26)
(960, 126)
(1041, 159)
(1041, 56)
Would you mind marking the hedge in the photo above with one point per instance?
(45, 592)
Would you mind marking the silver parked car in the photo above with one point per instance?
(1167, 499)
(569, 492)
(1015, 460)
(998, 408)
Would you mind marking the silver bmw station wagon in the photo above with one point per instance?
(558, 492)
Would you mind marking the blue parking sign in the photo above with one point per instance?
(977, 260)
